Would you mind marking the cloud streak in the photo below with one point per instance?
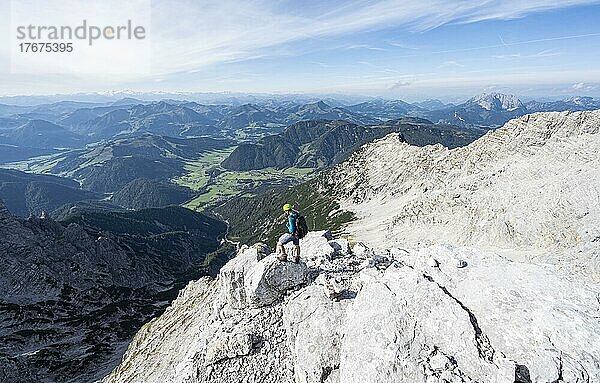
(450, 64)
(523, 42)
(194, 38)
(541, 54)
(213, 32)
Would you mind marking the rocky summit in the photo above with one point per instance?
(436, 314)
(528, 190)
(476, 264)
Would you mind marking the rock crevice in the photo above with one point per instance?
(486, 351)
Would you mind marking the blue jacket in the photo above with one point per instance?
(291, 225)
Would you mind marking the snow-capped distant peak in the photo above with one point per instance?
(582, 101)
(497, 101)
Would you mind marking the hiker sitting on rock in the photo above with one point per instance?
(297, 229)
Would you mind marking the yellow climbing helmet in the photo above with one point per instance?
(287, 207)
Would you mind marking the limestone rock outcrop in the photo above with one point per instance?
(529, 189)
(477, 264)
(492, 320)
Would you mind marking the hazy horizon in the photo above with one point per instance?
(413, 51)
(247, 97)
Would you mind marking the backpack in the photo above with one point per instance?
(301, 227)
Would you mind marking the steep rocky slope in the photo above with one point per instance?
(394, 318)
(531, 187)
(479, 264)
(73, 293)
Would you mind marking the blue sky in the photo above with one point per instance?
(397, 49)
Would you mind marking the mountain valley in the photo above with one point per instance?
(74, 291)
(110, 210)
(473, 264)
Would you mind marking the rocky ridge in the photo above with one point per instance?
(478, 264)
(529, 189)
(436, 314)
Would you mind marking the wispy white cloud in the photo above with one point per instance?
(365, 46)
(450, 64)
(212, 32)
(540, 54)
(582, 86)
(191, 36)
(400, 44)
(322, 64)
(510, 44)
(379, 68)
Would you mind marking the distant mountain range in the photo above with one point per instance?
(109, 166)
(322, 111)
(484, 111)
(26, 193)
(223, 98)
(132, 149)
(136, 170)
(158, 118)
(13, 153)
(143, 193)
(572, 104)
(41, 134)
(319, 144)
(432, 104)
(387, 109)
(72, 124)
(494, 109)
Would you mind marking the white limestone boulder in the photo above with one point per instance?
(269, 279)
(312, 324)
(316, 246)
(232, 293)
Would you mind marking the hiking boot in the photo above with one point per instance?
(282, 257)
(296, 258)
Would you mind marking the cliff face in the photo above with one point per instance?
(477, 264)
(72, 296)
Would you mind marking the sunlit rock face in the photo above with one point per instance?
(477, 264)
